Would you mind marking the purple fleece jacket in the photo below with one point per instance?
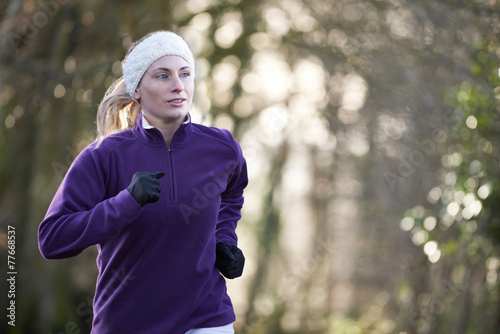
(156, 263)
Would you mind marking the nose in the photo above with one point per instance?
(177, 85)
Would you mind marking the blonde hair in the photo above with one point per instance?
(117, 111)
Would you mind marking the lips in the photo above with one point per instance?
(176, 102)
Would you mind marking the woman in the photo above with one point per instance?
(160, 196)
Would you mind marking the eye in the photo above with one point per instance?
(185, 74)
(162, 76)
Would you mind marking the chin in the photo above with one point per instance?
(180, 114)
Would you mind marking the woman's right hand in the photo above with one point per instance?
(145, 187)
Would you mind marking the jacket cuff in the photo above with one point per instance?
(127, 205)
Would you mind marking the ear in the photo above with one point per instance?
(137, 96)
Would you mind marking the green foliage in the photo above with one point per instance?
(461, 226)
(475, 159)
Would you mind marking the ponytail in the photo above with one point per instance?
(117, 111)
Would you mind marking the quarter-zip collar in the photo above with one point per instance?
(152, 136)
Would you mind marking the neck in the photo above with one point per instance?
(168, 132)
(167, 129)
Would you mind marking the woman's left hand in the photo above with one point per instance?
(229, 260)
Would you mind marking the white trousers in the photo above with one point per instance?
(228, 329)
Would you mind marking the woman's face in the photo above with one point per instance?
(166, 90)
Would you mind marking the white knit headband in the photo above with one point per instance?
(153, 47)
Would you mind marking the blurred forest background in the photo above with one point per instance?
(371, 132)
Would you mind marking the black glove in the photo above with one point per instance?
(145, 187)
(229, 259)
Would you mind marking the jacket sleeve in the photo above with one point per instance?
(232, 199)
(80, 215)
